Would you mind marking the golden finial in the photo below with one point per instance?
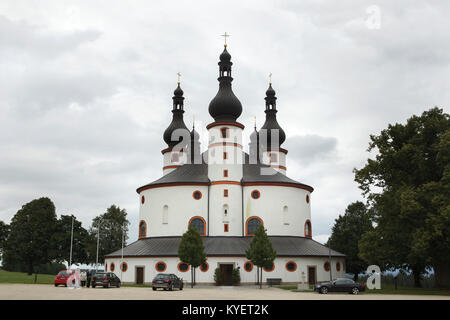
(270, 78)
(225, 35)
(179, 75)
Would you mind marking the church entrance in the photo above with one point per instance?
(311, 275)
(226, 271)
(139, 275)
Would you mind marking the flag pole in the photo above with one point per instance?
(71, 245)
(121, 261)
(98, 240)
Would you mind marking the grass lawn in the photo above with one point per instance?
(19, 277)
(136, 285)
(390, 289)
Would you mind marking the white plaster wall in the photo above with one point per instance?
(181, 208)
(269, 207)
(234, 202)
(279, 271)
(167, 160)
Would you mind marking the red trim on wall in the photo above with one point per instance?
(225, 173)
(177, 184)
(307, 222)
(142, 199)
(251, 264)
(166, 150)
(171, 167)
(204, 224)
(207, 266)
(246, 224)
(145, 234)
(124, 264)
(278, 150)
(293, 263)
(276, 166)
(280, 184)
(162, 262)
(307, 198)
(227, 132)
(178, 267)
(225, 144)
(225, 155)
(193, 195)
(225, 182)
(225, 227)
(225, 123)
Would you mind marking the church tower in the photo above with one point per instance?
(225, 156)
(176, 136)
(272, 136)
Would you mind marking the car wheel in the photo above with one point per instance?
(324, 290)
(355, 290)
(154, 289)
(118, 285)
(93, 286)
(181, 287)
(171, 287)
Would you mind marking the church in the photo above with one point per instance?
(225, 193)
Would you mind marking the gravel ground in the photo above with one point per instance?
(49, 292)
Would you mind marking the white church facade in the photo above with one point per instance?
(226, 193)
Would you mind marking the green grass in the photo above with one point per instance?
(136, 285)
(390, 289)
(19, 277)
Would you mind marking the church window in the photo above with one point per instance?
(124, 266)
(160, 266)
(338, 266)
(199, 224)
(291, 266)
(225, 155)
(225, 173)
(255, 194)
(142, 229)
(225, 227)
(225, 211)
(248, 266)
(269, 269)
(225, 192)
(225, 132)
(204, 267)
(175, 157)
(308, 231)
(307, 198)
(142, 199)
(273, 157)
(285, 215)
(112, 267)
(326, 266)
(183, 267)
(252, 224)
(197, 195)
(165, 217)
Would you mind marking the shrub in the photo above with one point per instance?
(236, 276)
(218, 276)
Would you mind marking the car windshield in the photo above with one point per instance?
(162, 276)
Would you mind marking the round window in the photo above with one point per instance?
(338, 266)
(204, 267)
(112, 267)
(255, 194)
(124, 266)
(183, 267)
(291, 266)
(197, 195)
(326, 266)
(269, 269)
(160, 266)
(248, 266)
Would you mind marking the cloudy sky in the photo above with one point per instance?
(86, 87)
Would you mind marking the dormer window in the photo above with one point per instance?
(225, 133)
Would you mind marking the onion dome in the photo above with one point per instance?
(271, 123)
(177, 120)
(254, 145)
(194, 148)
(225, 106)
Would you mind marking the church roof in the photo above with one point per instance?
(287, 246)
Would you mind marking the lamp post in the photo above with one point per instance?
(121, 261)
(329, 256)
(98, 240)
(71, 244)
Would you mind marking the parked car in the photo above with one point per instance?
(105, 279)
(167, 281)
(62, 277)
(340, 285)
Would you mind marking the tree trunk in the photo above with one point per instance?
(30, 268)
(192, 277)
(417, 277)
(260, 282)
(442, 275)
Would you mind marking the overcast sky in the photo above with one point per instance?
(86, 88)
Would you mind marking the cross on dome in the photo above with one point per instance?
(225, 35)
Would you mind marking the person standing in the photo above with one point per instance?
(88, 278)
(83, 278)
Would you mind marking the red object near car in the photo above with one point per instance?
(62, 277)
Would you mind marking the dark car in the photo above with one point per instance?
(340, 285)
(105, 279)
(167, 281)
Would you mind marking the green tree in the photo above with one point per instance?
(347, 231)
(261, 252)
(407, 186)
(191, 250)
(63, 238)
(30, 238)
(113, 225)
(4, 231)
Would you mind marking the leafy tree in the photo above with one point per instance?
(191, 250)
(236, 276)
(218, 276)
(347, 231)
(113, 224)
(63, 237)
(31, 230)
(4, 231)
(407, 185)
(261, 252)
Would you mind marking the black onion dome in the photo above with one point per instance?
(271, 119)
(225, 106)
(195, 136)
(254, 136)
(177, 120)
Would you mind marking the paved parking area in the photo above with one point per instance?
(49, 292)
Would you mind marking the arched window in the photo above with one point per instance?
(285, 215)
(307, 198)
(142, 199)
(225, 213)
(338, 266)
(199, 224)
(225, 133)
(183, 267)
(142, 229)
(326, 266)
(160, 266)
(291, 266)
(112, 267)
(165, 214)
(248, 266)
(124, 267)
(204, 266)
(308, 230)
(252, 224)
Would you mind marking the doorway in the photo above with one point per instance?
(226, 271)
(311, 275)
(139, 275)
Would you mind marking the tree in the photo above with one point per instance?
(347, 231)
(191, 250)
(63, 238)
(407, 185)
(4, 231)
(113, 225)
(30, 238)
(261, 252)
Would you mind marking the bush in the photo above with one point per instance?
(236, 276)
(217, 277)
